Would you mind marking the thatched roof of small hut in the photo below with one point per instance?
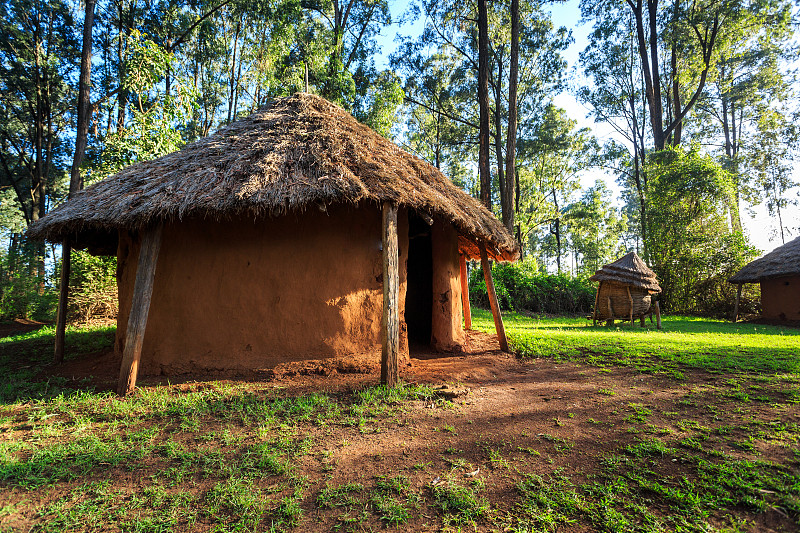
(782, 261)
(298, 152)
(629, 270)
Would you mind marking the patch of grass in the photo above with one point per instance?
(233, 456)
(685, 342)
(23, 356)
(341, 496)
(459, 504)
(548, 503)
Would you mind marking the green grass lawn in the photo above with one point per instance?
(692, 428)
(684, 342)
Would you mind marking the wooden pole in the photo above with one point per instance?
(63, 301)
(465, 294)
(390, 324)
(596, 302)
(658, 315)
(736, 306)
(140, 307)
(630, 300)
(498, 319)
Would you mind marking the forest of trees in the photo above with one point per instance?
(702, 96)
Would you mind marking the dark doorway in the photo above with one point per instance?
(419, 288)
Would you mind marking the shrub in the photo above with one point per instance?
(23, 294)
(93, 287)
(522, 288)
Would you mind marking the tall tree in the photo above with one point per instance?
(508, 188)
(83, 109)
(38, 56)
(552, 160)
(616, 96)
(751, 81)
(684, 31)
(483, 104)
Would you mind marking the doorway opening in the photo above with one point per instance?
(419, 283)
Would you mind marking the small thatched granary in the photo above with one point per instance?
(778, 272)
(288, 235)
(626, 291)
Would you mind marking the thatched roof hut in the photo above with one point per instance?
(298, 153)
(296, 233)
(778, 272)
(626, 290)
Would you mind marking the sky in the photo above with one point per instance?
(758, 225)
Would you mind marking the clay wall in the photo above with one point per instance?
(447, 335)
(780, 298)
(247, 294)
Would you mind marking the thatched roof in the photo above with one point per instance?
(782, 261)
(629, 270)
(298, 152)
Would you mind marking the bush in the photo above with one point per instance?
(23, 294)
(93, 287)
(522, 287)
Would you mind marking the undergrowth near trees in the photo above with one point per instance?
(523, 288)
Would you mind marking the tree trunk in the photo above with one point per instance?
(483, 104)
(75, 178)
(498, 137)
(511, 136)
(557, 231)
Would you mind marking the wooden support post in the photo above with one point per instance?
(140, 307)
(596, 303)
(63, 301)
(390, 324)
(498, 319)
(465, 294)
(630, 300)
(736, 306)
(610, 310)
(658, 315)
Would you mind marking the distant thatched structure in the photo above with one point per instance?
(626, 291)
(778, 272)
(296, 233)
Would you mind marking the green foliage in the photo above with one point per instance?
(522, 287)
(384, 98)
(156, 117)
(93, 287)
(594, 230)
(690, 247)
(22, 293)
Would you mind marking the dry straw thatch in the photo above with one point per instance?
(782, 261)
(299, 152)
(629, 270)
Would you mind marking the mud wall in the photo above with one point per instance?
(780, 298)
(247, 295)
(446, 332)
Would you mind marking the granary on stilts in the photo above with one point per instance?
(627, 291)
(296, 233)
(778, 273)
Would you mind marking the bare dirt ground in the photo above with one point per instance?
(509, 418)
